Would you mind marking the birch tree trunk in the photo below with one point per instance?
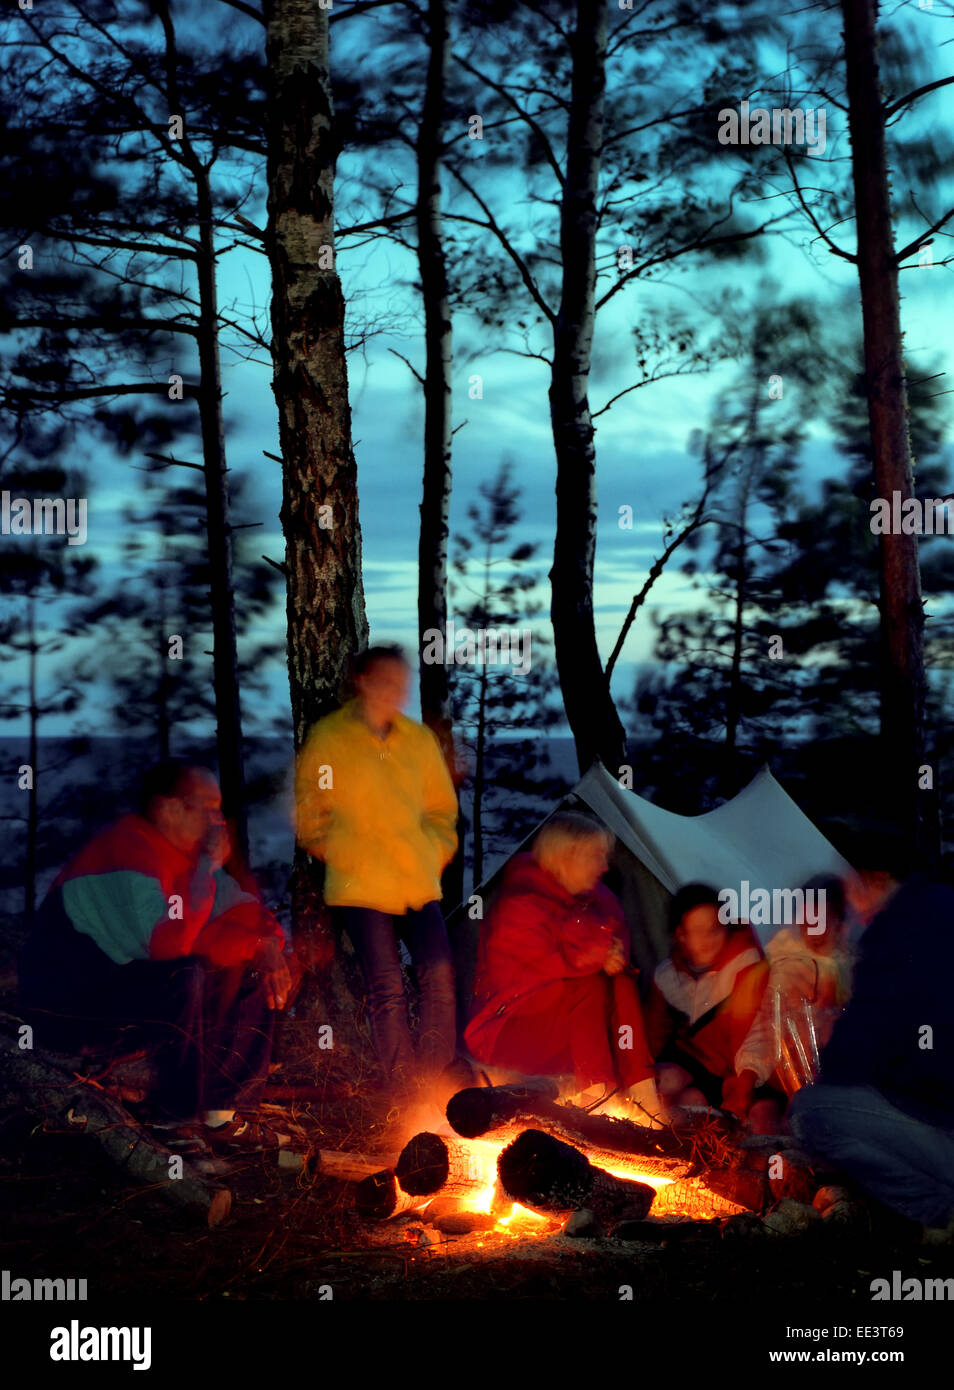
(902, 614)
(319, 515)
(325, 596)
(590, 710)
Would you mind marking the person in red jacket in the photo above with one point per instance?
(555, 993)
(703, 1004)
(144, 931)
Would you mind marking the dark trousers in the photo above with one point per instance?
(375, 937)
(209, 1030)
(590, 1026)
(907, 1164)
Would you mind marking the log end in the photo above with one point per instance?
(376, 1197)
(470, 1112)
(542, 1172)
(423, 1165)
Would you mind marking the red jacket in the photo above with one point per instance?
(537, 932)
(139, 898)
(708, 1015)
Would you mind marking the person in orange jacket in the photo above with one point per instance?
(375, 803)
(703, 1004)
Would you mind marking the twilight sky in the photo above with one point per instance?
(641, 442)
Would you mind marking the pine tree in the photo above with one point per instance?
(503, 715)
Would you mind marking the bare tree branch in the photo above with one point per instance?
(411, 368)
(525, 116)
(919, 241)
(913, 96)
(693, 523)
(492, 226)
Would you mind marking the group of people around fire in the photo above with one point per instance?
(155, 931)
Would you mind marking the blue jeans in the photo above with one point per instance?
(375, 938)
(903, 1162)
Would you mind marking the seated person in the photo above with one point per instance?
(809, 984)
(555, 991)
(883, 1108)
(703, 1003)
(144, 932)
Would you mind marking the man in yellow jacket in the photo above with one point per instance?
(376, 804)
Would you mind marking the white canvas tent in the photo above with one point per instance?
(760, 836)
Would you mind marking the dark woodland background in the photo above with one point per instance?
(569, 364)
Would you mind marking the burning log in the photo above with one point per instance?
(378, 1197)
(739, 1185)
(480, 1109)
(545, 1174)
(435, 1163)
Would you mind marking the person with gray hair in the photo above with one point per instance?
(555, 992)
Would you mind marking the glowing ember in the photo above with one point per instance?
(486, 1154)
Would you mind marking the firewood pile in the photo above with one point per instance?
(514, 1159)
(510, 1159)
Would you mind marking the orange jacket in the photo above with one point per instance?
(709, 1015)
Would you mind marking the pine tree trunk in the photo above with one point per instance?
(480, 778)
(33, 814)
(325, 596)
(902, 614)
(225, 676)
(734, 697)
(590, 710)
(162, 694)
(436, 491)
(435, 503)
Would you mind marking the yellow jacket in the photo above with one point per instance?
(381, 813)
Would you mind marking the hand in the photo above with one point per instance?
(273, 968)
(615, 958)
(217, 845)
(737, 1092)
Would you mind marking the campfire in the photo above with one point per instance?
(514, 1161)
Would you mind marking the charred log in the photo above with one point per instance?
(659, 1150)
(480, 1109)
(435, 1163)
(378, 1197)
(545, 1174)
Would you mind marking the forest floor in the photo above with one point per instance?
(65, 1210)
(63, 1213)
